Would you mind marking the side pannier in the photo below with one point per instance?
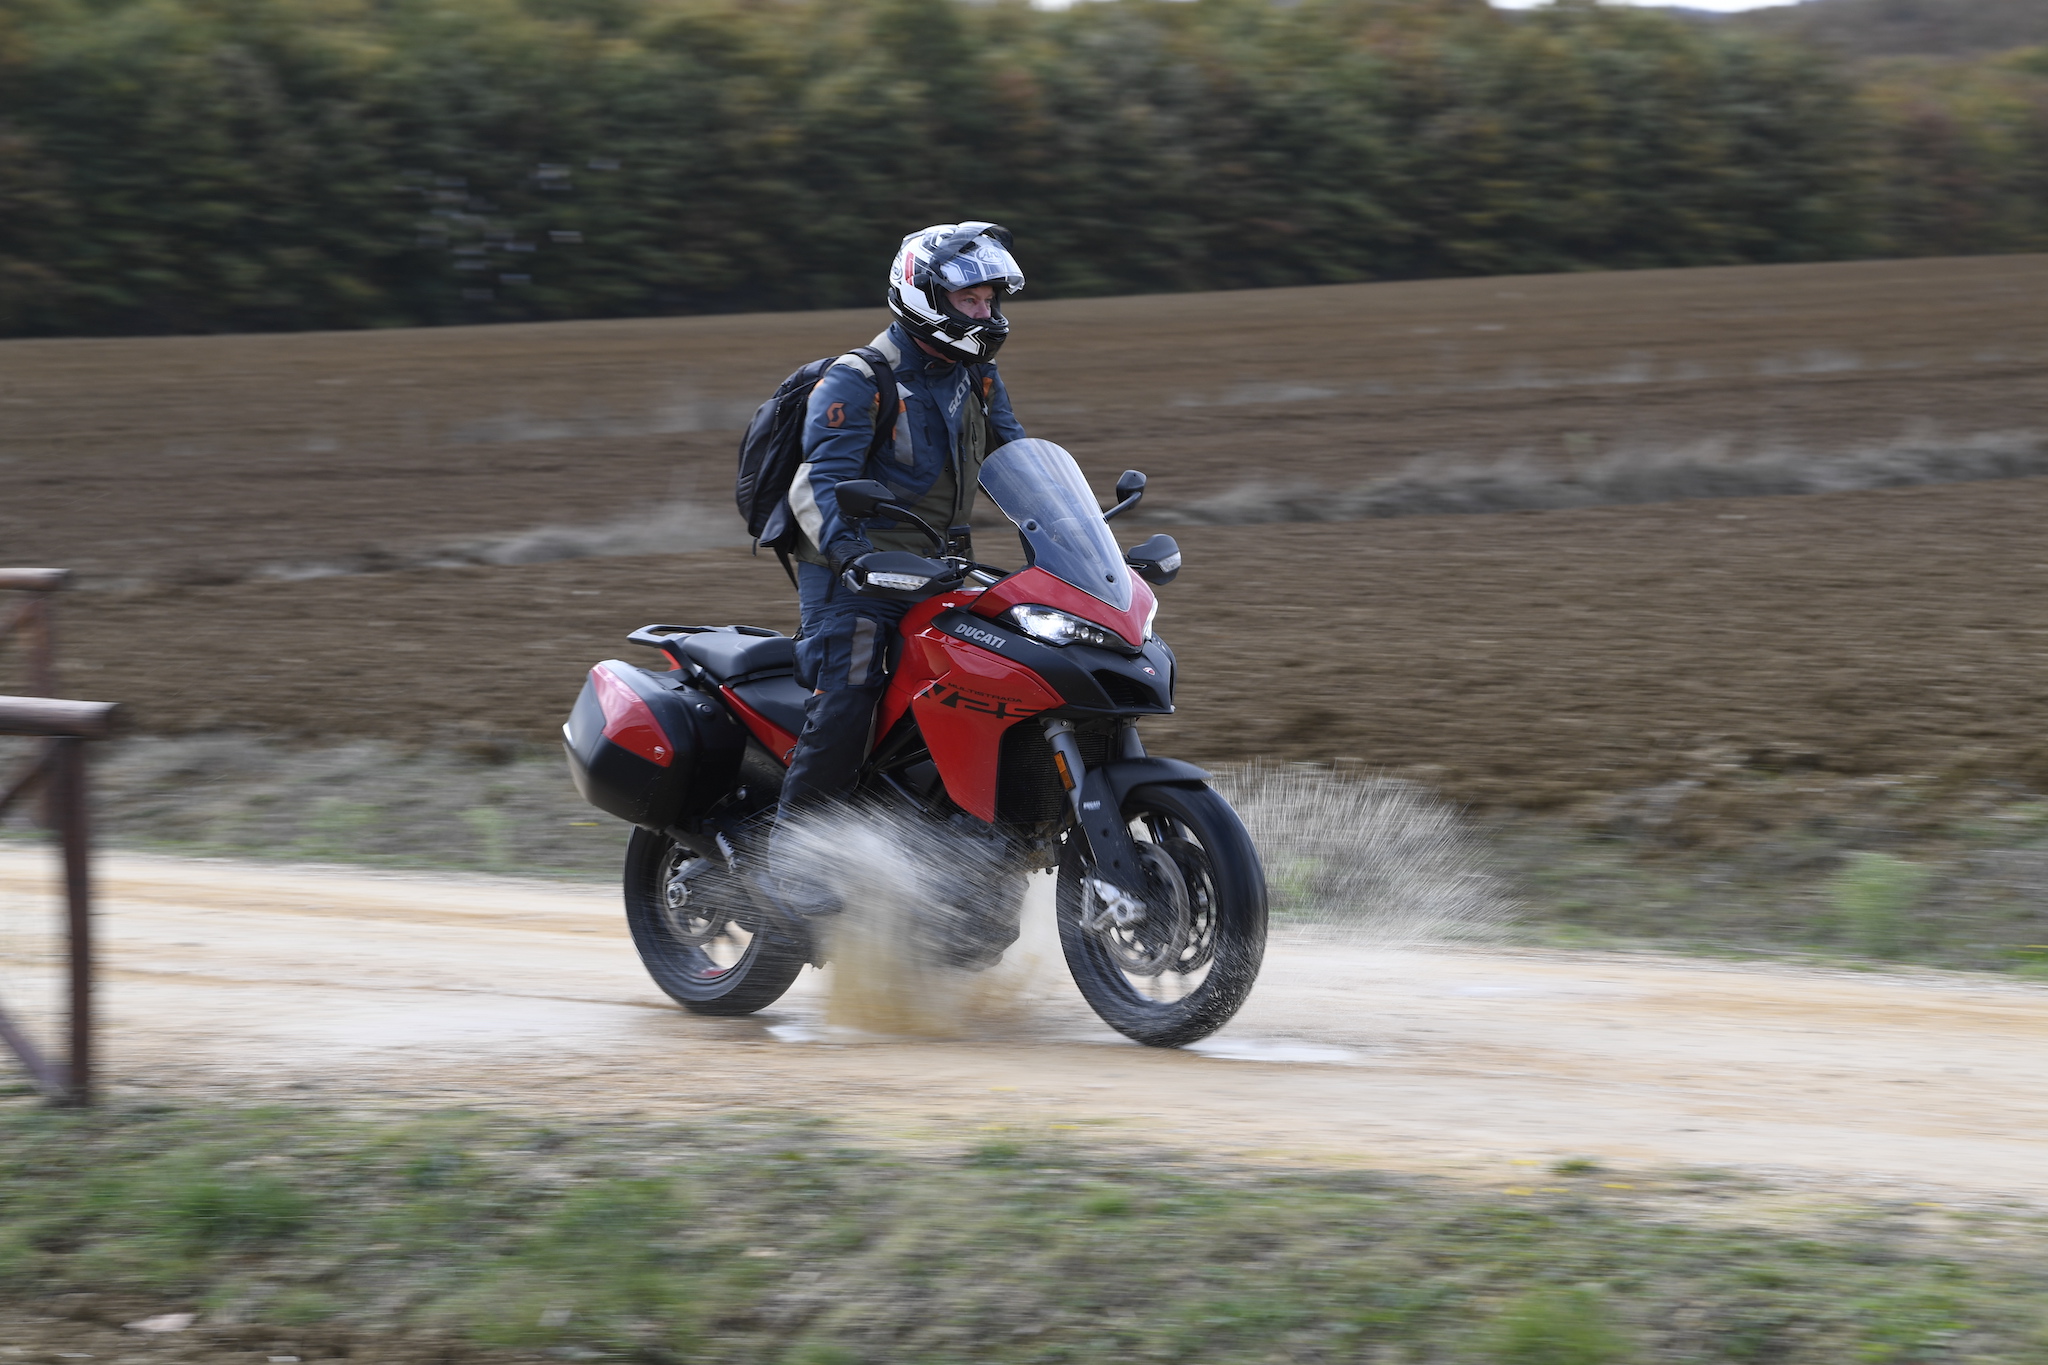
(649, 747)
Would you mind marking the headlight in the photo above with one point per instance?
(1058, 628)
(1151, 615)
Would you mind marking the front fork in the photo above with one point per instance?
(1106, 844)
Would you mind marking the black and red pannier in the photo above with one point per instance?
(650, 747)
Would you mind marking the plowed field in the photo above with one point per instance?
(1524, 659)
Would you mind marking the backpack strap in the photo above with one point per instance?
(883, 373)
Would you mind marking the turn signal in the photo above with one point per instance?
(628, 722)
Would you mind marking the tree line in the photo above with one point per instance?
(203, 165)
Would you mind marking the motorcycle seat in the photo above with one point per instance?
(729, 656)
(780, 699)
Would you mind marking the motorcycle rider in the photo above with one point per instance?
(946, 288)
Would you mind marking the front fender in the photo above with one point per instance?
(1111, 852)
(1126, 773)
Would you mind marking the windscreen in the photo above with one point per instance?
(1039, 487)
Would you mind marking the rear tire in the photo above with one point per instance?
(698, 933)
(1174, 978)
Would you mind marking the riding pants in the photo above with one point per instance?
(844, 650)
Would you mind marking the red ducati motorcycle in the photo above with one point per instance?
(1009, 730)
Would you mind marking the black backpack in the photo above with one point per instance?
(774, 446)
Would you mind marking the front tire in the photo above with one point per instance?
(698, 933)
(1176, 974)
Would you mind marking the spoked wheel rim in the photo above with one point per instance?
(698, 930)
(1164, 949)
(1185, 957)
(704, 933)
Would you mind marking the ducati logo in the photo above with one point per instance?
(975, 633)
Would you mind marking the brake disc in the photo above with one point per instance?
(1144, 937)
(1193, 864)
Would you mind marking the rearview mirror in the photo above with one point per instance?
(859, 498)
(1157, 561)
(1130, 487)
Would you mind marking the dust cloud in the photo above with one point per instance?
(1367, 859)
(1360, 859)
(1442, 485)
(675, 527)
(923, 911)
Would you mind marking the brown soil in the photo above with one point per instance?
(1525, 658)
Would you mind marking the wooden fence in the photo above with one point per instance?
(57, 772)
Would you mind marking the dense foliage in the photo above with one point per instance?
(1901, 28)
(181, 165)
(1962, 164)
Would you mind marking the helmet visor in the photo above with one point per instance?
(981, 261)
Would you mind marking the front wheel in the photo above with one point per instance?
(1172, 968)
(697, 931)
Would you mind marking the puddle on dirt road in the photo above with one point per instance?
(834, 1035)
(1271, 1050)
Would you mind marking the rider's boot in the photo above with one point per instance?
(821, 777)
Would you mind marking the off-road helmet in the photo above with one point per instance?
(950, 256)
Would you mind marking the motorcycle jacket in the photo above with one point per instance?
(948, 417)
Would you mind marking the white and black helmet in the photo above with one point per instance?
(932, 263)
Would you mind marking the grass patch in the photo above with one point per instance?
(231, 1209)
(1554, 1326)
(1865, 885)
(772, 1242)
(1876, 895)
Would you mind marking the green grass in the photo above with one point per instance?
(1876, 895)
(1553, 1326)
(779, 1242)
(1965, 894)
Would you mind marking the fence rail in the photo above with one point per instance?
(58, 769)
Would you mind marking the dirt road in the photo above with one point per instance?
(360, 987)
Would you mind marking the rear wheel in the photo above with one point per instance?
(1172, 967)
(698, 934)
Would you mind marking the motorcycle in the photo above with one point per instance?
(1008, 731)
